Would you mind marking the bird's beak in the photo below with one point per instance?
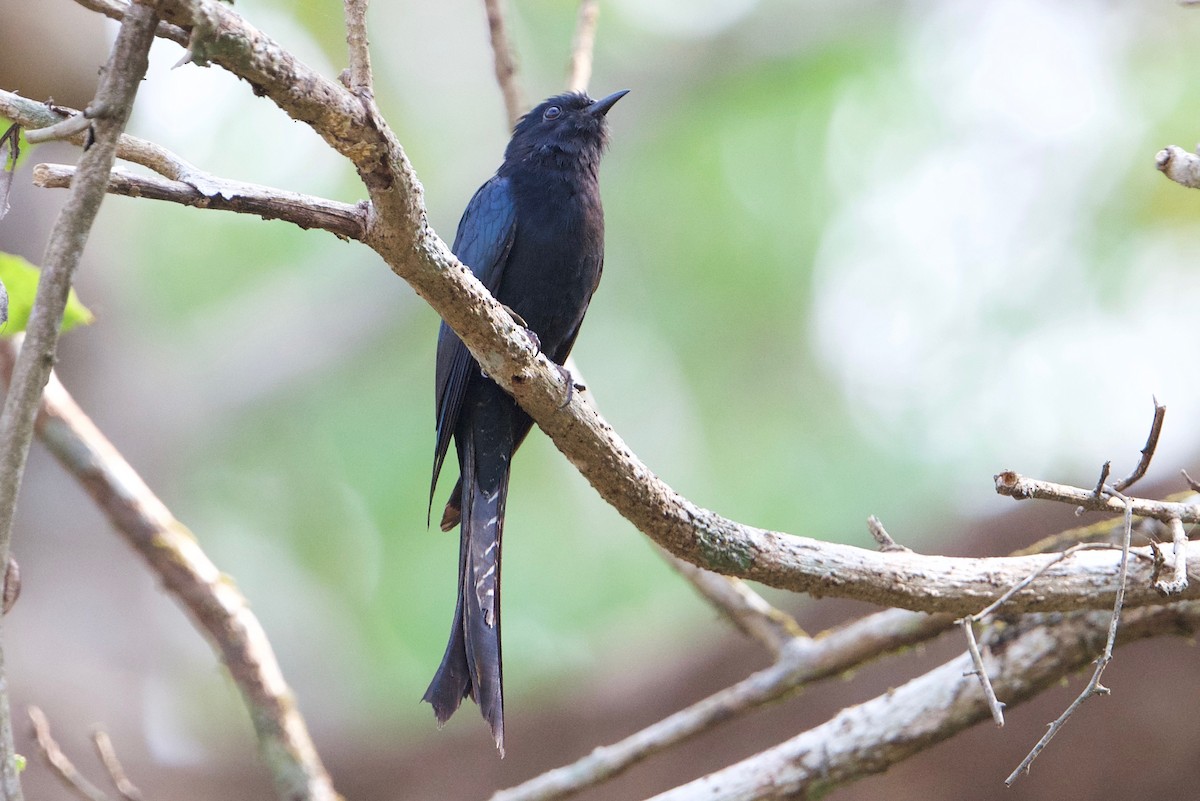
(601, 106)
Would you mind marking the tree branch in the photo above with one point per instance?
(306, 211)
(505, 62)
(209, 596)
(579, 74)
(748, 611)
(60, 763)
(869, 738)
(1180, 166)
(360, 79)
(115, 9)
(803, 661)
(112, 106)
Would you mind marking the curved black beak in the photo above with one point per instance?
(601, 106)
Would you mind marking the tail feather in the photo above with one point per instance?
(452, 682)
(471, 665)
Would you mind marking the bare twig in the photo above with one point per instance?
(69, 128)
(1179, 165)
(1025, 582)
(361, 81)
(978, 669)
(208, 595)
(306, 211)
(118, 86)
(129, 148)
(880, 535)
(115, 9)
(802, 662)
(1193, 485)
(116, 772)
(1093, 687)
(1022, 488)
(1179, 581)
(58, 761)
(579, 74)
(1098, 492)
(1160, 412)
(505, 63)
(745, 609)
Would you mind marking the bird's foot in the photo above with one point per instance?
(572, 385)
(519, 320)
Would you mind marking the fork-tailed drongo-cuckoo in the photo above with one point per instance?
(534, 236)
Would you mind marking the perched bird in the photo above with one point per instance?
(534, 236)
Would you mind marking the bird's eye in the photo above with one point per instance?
(551, 113)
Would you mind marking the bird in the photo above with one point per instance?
(533, 234)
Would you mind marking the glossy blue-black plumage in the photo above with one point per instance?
(534, 236)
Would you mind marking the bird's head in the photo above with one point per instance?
(563, 128)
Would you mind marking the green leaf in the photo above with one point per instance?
(20, 278)
(20, 762)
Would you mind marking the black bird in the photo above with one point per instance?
(534, 236)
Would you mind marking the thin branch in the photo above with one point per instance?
(116, 771)
(748, 611)
(306, 211)
(1160, 413)
(1193, 485)
(579, 75)
(1022, 488)
(980, 671)
(1098, 492)
(59, 763)
(505, 62)
(871, 737)
(881, 537)
(208, 595)
(118, 86)
(361, 81)
(803, 661)
(1025, 582)
(69, 128)
(30, 113)
(967, 624)
(115, 9)
(1179, 580)
(1093, 687)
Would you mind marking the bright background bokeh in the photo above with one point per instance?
(861, 256)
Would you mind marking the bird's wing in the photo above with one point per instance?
(484, 239)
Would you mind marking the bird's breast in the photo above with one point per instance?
(555, 262)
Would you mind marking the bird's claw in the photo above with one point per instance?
(571, 385)
(537, 343)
